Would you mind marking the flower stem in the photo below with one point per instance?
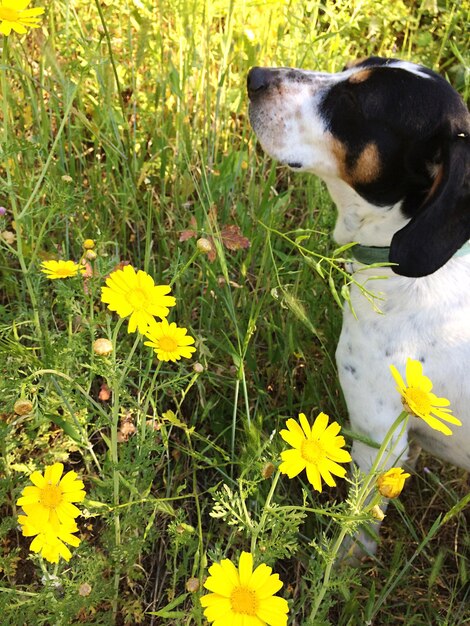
(364, 493)
(178, 275)
(259, 528)
(115, 462)
(401, 419)
(143, 421)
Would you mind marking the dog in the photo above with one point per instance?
(391, 140)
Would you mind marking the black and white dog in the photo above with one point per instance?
(391, 140)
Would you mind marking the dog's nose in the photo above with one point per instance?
(258, 80)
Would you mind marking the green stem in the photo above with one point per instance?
(326, 578)
(143, 424)
(364, 491)
(115, 462)
(178, 275)
(118, 381)
(362, 497)
(260, 527)
(196, 502)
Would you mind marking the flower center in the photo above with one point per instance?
(417, 401)
(244, 601)
(138, 299)
(312, 451)
(10, 15)
(65, 272)
(167, 344)
(51, 496)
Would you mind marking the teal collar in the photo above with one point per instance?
(368, 255)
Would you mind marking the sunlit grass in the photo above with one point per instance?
(126, 123)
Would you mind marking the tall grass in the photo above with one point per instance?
(126, 122)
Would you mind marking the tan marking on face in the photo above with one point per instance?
(364, 170)
(355, 62)
(367, 166)
(339, 153)
(360, 77)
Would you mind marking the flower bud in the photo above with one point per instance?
(192, 585)
(267, 471)
(204, 245)
(22, 407)
(84, 590)
(90, 255)
(198, 368)
(377, 513)
(391, 483)
(88, 244)
(9, 237)
(102, 347)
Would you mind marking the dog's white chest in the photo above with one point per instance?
(426, 319)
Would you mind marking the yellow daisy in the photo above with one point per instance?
(49, 538)
(50, 498)
(418, 400)
(15, 16)
(317, 449)
(390, 484)
(243, 597)
(169, 342)
(60, 269)
(134, 293)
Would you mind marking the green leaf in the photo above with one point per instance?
(167, 611)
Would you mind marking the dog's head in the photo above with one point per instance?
(395, 134)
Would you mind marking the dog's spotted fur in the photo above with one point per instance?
(391, 141)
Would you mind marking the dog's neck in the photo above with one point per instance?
(360, 221)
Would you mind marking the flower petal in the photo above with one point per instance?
(305, 425)
(295, 435)
(52, 473)
(269, 587)
(219, 584)
(436, 424)
(313, 476)
(319, 425)
(260, 576)
(273, 611)
(413, 371)
(398, 379)
(245, 568)
(293, 463)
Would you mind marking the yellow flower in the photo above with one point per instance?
(169, 342)
(242, 596)
(418, 400)
(49, 537)
(318, 449)
(134, 293)
(50, 498)
(390, 484)
(15, 16)
(60, 269)
(89, 244)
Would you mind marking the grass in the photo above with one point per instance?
(126, 122)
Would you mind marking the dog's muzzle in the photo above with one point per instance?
(258, 81)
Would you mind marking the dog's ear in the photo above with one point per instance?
(442, 224)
